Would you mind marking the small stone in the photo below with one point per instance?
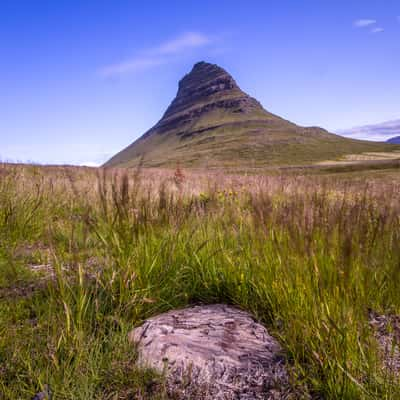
(44, 395)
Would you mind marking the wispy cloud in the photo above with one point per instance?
(363, 23)
(132, 65)
(187, 41)
(377, 30)
(158, 55)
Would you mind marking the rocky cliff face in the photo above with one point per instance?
(206, 88)
(210, 85)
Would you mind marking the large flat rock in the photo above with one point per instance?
(213, 352)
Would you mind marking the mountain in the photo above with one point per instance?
(394, 140)
(379, 132)
(213, 123)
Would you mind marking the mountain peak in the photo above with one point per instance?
(204, 68)
(206, 74)
(205, 88)
(202, 81)
(205, 65)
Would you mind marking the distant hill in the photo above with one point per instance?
(213, 123)
(380, 132)
(394, 140)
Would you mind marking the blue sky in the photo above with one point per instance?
(80, 80)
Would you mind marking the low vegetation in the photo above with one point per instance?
(86, 255)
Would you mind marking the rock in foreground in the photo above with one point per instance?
(213, 352)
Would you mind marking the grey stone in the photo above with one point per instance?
(213, 352)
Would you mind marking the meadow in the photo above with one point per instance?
(87, 254)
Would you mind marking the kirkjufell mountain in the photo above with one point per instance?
(213, 123)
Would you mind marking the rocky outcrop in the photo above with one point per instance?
(206, 88)
(213, 352)
(206, 84)
(200, 85)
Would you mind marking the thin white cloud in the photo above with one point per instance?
(158, 55)
(187, 41)
(363, 23)
(377, 30)
(133, 65)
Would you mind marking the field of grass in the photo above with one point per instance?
(86, 255)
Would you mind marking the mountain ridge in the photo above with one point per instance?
(394, 140)
(212, 122)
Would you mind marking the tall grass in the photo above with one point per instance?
(308, 256)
